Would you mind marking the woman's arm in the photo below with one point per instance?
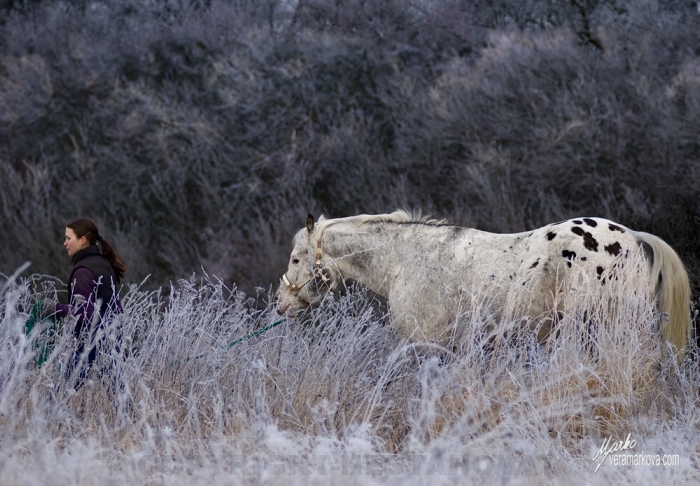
(83, 301)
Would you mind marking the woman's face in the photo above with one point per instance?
(73, 244)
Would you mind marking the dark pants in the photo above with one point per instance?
(82, 362)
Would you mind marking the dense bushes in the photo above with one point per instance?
(199, 134)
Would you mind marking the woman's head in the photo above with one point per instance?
(80, 233)
(73, 244)
(83, 232)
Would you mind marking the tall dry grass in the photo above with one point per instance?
(337, 397)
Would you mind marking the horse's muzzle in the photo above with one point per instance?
(282, 308)
(288, 302)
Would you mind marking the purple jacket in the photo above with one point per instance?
(84, 288)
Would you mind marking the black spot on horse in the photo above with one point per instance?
(535, 264)
(614, 249)
(577, 221)
(614, 227)
(569, 255)
(599, 271)
(588, 241)
(551, 235)
(590, 222)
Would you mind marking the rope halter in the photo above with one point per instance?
(314, 274)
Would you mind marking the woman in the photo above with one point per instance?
(94, 290)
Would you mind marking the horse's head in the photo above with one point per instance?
(307, 280)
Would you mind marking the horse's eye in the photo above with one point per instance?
(295, 261)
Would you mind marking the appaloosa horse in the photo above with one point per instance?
(429, 270)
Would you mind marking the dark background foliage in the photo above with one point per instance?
(199, 133)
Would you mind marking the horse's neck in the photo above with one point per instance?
(367, 255)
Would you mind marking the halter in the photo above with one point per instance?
(315, 273)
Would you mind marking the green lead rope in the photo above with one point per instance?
(51, 327)
(239, 340)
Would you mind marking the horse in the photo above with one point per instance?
(428, 269)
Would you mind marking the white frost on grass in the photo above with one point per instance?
(338, 398)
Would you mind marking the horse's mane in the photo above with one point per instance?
(400, 216)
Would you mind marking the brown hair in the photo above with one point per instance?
(87, 228)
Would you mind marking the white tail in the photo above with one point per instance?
(673, 293)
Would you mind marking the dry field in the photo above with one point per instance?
(336, 397)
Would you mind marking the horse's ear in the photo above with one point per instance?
(324, 215)
(310, 223)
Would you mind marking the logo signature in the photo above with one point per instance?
(609, 447)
